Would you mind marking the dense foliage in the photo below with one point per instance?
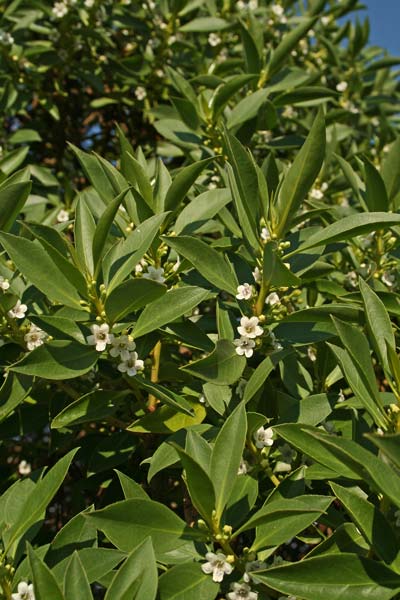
(199, 308)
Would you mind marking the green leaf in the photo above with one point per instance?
(103, 228)
(76, 584)
(275, 272)
(137, 578)
(201, 209)
(187, 581)
(210, 263)
(183, 182)
(350, 227)
(131, 295)
(248, 108)
(130, 488)
(58, 360)
(223, 366)
(205, 25)
(98, 405)
(38, 499)
(177, 302)
(129, 522)
(12, 200)
(391, 170)
(376, 197)
(389, 444)
(335, 576)
(36, 265)
(226, 90)
(281, 520)
(84, 233)
(287, 44)
(243, 182)
(369, 520)
(259, 376)
(13, 391)
(45, 584)
(226, 456)
(378, 322)
(136, 176)
(300, 177)
(198, 483)
(167, 396)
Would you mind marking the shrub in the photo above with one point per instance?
(199, 309)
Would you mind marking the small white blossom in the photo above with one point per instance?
(6, 39)
(101, 336)
(19, 310)
(140, 93)
(388, 279)
(277, 9)
(264, 437)
(312, 353)
(155, 274)
(24, 468)
(341, 397)
(244, 292)
(249, 327)
(217, 565)
(316, 194)
(24, 592)
(214, 39)
(4, 284)
(89, 3)
(131, 365)
(139, 267)
(272, 299)
(243, 467)
(325, 20)
(257, 275)
(265, 234)
(289, 113)
(352, 279)
(122, 346)
(241, 591)
(63, 216)
(59, 9)
(244, 346)
(35, 337)
(342, 86)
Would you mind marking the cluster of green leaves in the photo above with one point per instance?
(198, 338)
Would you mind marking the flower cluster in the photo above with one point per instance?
(122, 347)
(248, 329)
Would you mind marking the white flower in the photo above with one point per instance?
(316, 194)
(341, 397)
(24, 592)
(241, 591)
(388, 279)
(289, 113)
(249, 327)
(277, 9)
(59, 9)
(89, 3)
(122, 346)
(139, 267)
(155, 274)
(243, 467)
(265, 234)
(19, 310)
(325, 20)
(101, 336)
(140, 93)
(35, 337)
(244, 346)
(244, 292)
(4, 284)
(257, 275)
(217, 565)
(272, 299)
(131, 365)
(214, 39)
(352, 279)
(263, 437)
(24, 468)
(342, 86)
(6, 38)
(63, 216)
(312, 353)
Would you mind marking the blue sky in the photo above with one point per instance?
(384, 16)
